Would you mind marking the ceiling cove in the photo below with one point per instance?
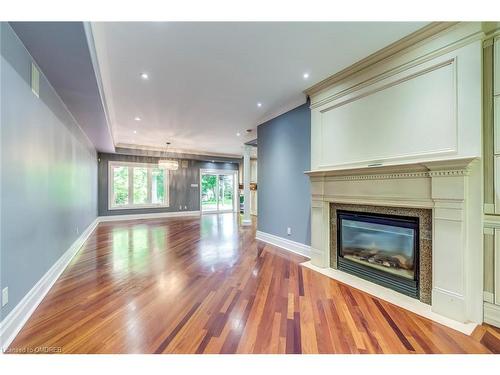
(205, 86)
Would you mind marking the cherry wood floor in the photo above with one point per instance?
(205, 285)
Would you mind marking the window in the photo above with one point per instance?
(137, 185)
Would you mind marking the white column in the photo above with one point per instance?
(457, 244)
(320, 224)
(246, 186)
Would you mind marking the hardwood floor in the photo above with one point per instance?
(191, 285)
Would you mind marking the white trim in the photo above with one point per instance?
(130, 205)
(492, 314)
(236, 196)
(155, 215)
(491, 221)
(87, 27)
(489, 208)
(15, 320)
(287, 107)
(389, 295)
(488, 297)
(227, 172)
(294, 247)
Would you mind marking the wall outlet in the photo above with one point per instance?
(5, 296)
(289, 231)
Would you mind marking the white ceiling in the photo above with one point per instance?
(207, 78)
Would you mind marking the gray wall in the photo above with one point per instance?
(180, 190)
(284, 153)
(62, 52)
(48, 175)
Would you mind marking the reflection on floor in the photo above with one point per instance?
(205, 285)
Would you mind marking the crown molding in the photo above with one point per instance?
(144, 150)
(491, 30)
(403, 44)
(290, 105)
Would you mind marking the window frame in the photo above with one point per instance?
(130, 205)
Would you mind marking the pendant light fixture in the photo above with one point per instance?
(169, 164)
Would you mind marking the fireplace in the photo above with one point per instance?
(380, 248)
(443, 195)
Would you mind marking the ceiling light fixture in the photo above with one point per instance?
(306, 75)
(169, 164)
(135, 131)
(144, 76)
(137, 118)
(259, 104)
(238, 134)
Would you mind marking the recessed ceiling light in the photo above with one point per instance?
(238, 134)
(259, 104)
(305, 75)
(135, 131)
(144, 75)
(137, 118)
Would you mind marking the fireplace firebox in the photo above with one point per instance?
(380, 248)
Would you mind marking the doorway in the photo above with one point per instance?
(218, 190)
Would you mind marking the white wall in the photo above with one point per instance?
(411, 108)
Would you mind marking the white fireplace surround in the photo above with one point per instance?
(446, 187)
(403, 129)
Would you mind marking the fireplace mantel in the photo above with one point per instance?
(449, 187)
(394, 170)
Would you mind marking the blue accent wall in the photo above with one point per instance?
(284, 153)
(48, 178)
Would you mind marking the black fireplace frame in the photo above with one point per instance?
(398, 283)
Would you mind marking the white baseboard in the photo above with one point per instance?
(492, 314)
(449, 304)
(294, 247)
(148, 216)
(15, 320)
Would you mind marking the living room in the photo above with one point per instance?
(269, 187)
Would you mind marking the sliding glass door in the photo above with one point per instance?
(209, 192)
(226, 192)
(218, 190)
